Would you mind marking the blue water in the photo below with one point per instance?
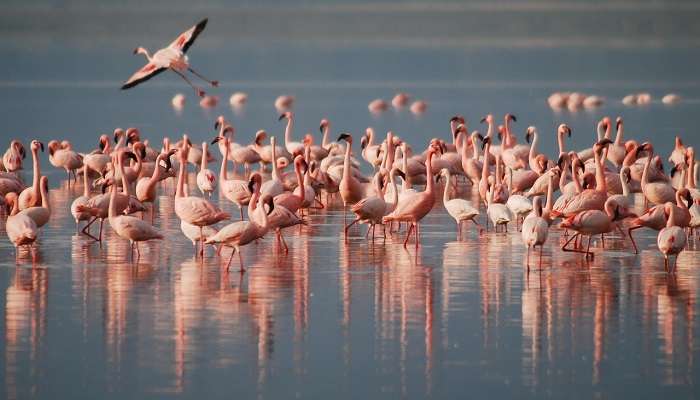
(332, 318)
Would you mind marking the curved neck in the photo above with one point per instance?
(679, 201)
(630, 157)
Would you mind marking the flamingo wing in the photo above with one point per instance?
(185, 39)
(147, 72)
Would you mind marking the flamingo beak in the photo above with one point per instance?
(217, 124)
(568, 131)
(513, 118)
(528, 136)
(131, 155)
(560, 162)
(216, 140)
(401, 174)
(604, 142)
(270, 204)
(483, 120)
(41, 145)
(281, 117)
(343, 136)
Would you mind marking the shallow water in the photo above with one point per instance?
(355, 318)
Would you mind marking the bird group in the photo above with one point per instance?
(592, 191)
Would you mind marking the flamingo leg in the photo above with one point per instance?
(588, 247)
(541, 246)
(138, 253)
(86, 229)
(527, 259)
(201, 240)
(197, 89)
(629, 233)
(200, 76)
(228, 264)
(564, 248)
(240, 260)
(351, 224)
(408, 236)
(102, 221)
(241, 211)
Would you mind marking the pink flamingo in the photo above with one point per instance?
(413, 208)
(671, 240)
(12, 159)
(31, 196)
(194, 210)
(20, 228)
(173, 58)
(589, 223)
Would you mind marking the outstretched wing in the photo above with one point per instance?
(147, 72)
(185, 39)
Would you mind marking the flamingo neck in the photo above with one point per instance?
(86, 190)
(619, 136)
(180, 190)
(125, 182)
(288, 130)
(275, 171)
(300, 182)
(346, 161)
(112, 212)
(395, 194)
(645, 171)
(533, 147)
(37, 171)
(601, 185)
(485, 165)
(630, 157)
(575, 178)
(324, 141)
(430, 184)
(45, 197)
(448, 180)
(625, 186)
(404, 164)
(203, 163)
(550, 194)
(560, 139)
(475, 149)
(223, 174)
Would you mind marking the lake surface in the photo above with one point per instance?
(355, 318)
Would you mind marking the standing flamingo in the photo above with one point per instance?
(459, 209)
(294, 148)
(671, 240)
(206, 180)
(20, 228)
(12, 159)
(235, 190)
(414, 207)
(589, 223)
(31, 196)
(535, 229)
(173, 58)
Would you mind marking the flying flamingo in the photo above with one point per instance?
(671, 240)
(173, 58)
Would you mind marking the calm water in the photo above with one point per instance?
(351, 319)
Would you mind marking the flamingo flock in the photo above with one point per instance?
(588, 193)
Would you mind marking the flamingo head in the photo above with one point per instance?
(345, 136)
(626, 173)
(219, 122)
(510, 117)
(565, 130)
(286, 114)
(457, 118)
(323, 125)
(268, 200)
(618, 123)
(254, 181)
(485, 141)
(37, 145)
(530, 133)
(260, 136)
(488, 119)
(140, 50)
(53, 145)
(363, 142)
(501, 131)
(133, 135)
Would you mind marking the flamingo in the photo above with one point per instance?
(589, 223)
(81, 200)
(235, 190)
(519, 205)
(146, 186)
(498, 213)
(415, 207)
(275, 186)
(459, 209)
(678, 154)
(173, 58)
(658, 192)
(98, 159)
(240, 233)
(471, 164)
(351, 190)
(20, 228)
(64, 158)
(617, 151)
(293, 201)
(194, 210)
(294, 148)
(671, 240)
(318, 153)
(206, 180)
(371, 209)
(535, 158)
(12, 159)
(131, 228)
(40, 214)
(535, 229)
(31, 196)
